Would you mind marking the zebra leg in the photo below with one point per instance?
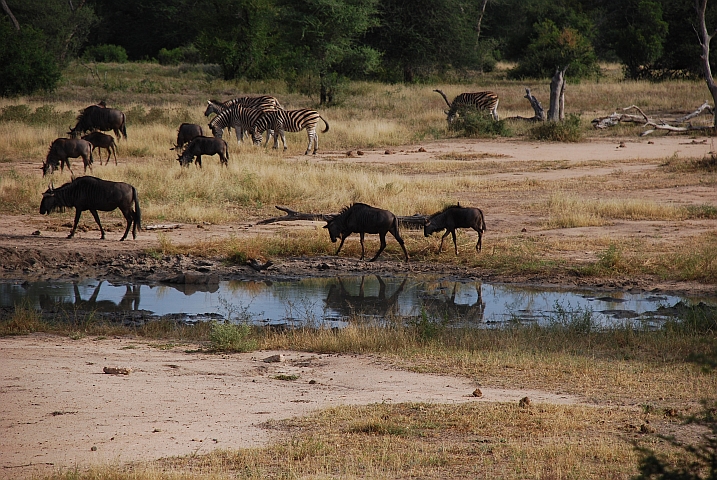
(97, 219)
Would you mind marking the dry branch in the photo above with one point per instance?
(617, 118)
(414, 221)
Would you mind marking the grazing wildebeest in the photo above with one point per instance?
(102, 140)
(186, 133)
(361, 218)
(96, 117)
(204, 146)
(62, 149)
(454, 217)
(93, 194)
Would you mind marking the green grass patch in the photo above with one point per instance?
(569, 130)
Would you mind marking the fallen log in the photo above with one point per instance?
(616, 118)
(415, 221)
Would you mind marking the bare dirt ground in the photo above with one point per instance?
(59, 409)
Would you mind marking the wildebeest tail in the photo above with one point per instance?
(137, 211)
(325, 123)
(124, 126)
(482, 221)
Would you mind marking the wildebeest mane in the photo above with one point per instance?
(445, 210)
(345, 210)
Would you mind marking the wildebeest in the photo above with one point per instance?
(453, 217)
(96, 117)
(204, 146)
(361, 218)
(62, 149)
(93, 194)
(102, 140)
(186, 133)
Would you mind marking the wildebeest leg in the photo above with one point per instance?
(400, 241)
(479, 245)
(114, 151)
(363, 251)
(78, 212)
(128, 215)
(455, 243)
(199, 161)
(343, 238)
(440, 247)
(382, 236)
(97, 219)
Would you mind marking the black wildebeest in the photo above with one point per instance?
(97, 117)
(93, 194)
(361, 218)
(454, 217)
(102, 140)
(186, 133)
(62, 149)
(204, 146)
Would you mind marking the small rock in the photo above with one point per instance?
(622, 145)
(312, 382)
(421, 149)
(524, 230)
(200, 226)
(524, 402)
(646, 428)
(477, 393)
(350, 153)
(94, 449)
(359, 152)
(117, 370)
(36, 233)
(650, 142)
(275, 359)
(388, 152)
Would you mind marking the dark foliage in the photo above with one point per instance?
(26, 65)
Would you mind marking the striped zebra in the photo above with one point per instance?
(241, 119)
(289, 121)
(480, 100)
(262, 102)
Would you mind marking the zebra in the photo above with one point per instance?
(263, 102)
(242, 119)
(282, 121)
(480, 100)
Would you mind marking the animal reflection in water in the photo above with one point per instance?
(441, 305)
(341, 300)
(128, 302)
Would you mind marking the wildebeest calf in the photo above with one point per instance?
(453, 217)
(361, 218)
(186, 133)
(93, 194)
(62, 149)
(204, 146)
(102, 140)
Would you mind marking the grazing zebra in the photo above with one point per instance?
(289, 121)
(263, 102)
(241, 119)
(480, 100)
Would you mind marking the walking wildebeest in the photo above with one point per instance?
(96, 117)
(454, 217)
(93, 194)
(62, 149)
(186, 133)
(204, 146)
(102, 140)
(361, 218)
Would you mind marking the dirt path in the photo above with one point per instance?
(60, 410)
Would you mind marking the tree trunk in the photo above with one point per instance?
(537, 107)
(705, 39)
(480, 20)
(557, 96)
(9, 14)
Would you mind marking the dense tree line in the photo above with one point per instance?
(333, 40)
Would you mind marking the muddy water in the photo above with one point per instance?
(334, 300)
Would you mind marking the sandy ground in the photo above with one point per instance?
(58, 405)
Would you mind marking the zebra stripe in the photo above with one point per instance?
(480, 100)
(241, 119)
(262, 102)
(282, 121)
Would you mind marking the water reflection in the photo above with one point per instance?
(334, 300)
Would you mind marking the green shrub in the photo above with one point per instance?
(476, 123)
(105, 53)
(231, 337)
(26, 64)
(43, 115)
(565, 131)
(175, 56)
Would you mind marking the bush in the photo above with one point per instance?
(565, 131)
(472, 123)
(105, 53)
(175, 56)
(26, 64)
(231, 337)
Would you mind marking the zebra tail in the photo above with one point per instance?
(444, 97)
(326, 123)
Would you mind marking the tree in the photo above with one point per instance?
(636, 31)
(26, 64)
(325, 38)
(705, 39)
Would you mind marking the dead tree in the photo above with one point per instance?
(537, 107)
(7, 10)
(660, 124)
(557, 96)
(705, 39)
(413, 222)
